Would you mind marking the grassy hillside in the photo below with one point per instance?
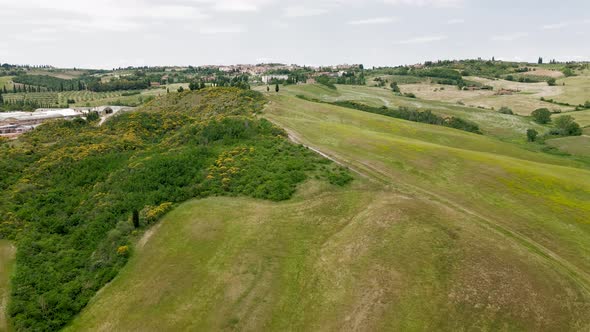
(522, 103)
(576, 145)
(7, 252)
(444, 230)
(70, 188)
(581, 117)
(364, 257)
(508, 127)
(6, 81)
(577, 89)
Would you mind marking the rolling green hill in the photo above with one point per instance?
(508, 127)
(440, 230)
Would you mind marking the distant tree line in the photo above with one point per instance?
(50, 83)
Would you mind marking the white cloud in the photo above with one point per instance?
(422, 40)
(237, 5)
(375, 20)
(555, 26)
(303, 11)
(565, 24)
(434, 3)
(510, 37)
(456, 21)
(215, 30)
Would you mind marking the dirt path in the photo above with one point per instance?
(371, 172)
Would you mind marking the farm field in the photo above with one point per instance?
(522, 103)
(576, 145)
(88, 98)
(577, 89)
(504, 126)
(66, 74)
(581, 117)
(6, 81)
(440, 232)
(7, 252)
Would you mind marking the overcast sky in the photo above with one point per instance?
(113, 33)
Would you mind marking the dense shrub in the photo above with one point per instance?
(69, 188)
(541, 115)
(566, 126)
(531, 135)
(326, 81)
(505, 110)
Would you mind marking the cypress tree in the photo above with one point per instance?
(277, 87)
(135, 218)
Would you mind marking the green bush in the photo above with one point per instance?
(531, 135)
(541, 115)
(566, 126)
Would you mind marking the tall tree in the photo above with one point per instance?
(135, 218)
(277, 87)
(540, 60)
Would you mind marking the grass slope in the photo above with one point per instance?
(577, 89)
(522, 103)
(577, 145)
(7, 252)
(446, 230)
(69, 188)
(6, 81)
(581, 117)
(491, 122)
(363, 257)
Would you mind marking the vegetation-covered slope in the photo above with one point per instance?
(69, 188)
(490, 122)
(447, 230)
(7, 252)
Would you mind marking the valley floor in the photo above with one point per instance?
(442, 230)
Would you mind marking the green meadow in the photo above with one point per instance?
(7, 252)
(576, 145)
(440, 230)
(577, 89)
(507, 127)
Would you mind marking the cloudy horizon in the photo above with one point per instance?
(109, 34)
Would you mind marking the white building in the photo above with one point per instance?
(267, 78)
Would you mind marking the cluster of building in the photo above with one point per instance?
(261, 69)
(13, 124)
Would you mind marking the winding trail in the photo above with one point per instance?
(365, 170)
